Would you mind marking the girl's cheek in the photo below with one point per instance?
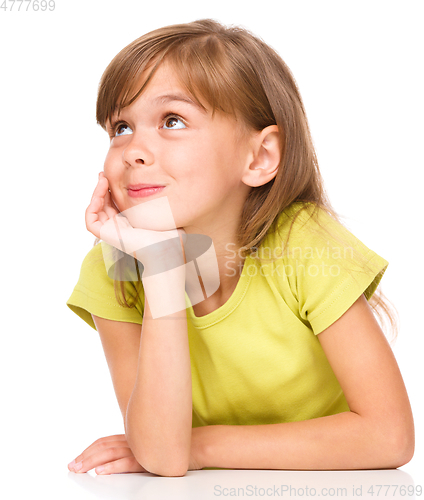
(113, 174)
(107, 166)
(113, 158)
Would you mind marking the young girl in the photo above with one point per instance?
(284, 366)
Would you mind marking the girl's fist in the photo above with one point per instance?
(101, 207)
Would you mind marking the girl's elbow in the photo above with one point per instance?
(402, 446)
(405, 448)
(163, 467)
(167, 470)
(155, 465)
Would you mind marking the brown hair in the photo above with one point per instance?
(237, 73)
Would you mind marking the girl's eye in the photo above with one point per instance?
(173, 122)
(122, 129)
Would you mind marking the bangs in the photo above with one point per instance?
(201, 64)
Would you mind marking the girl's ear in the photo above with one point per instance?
(266, 157)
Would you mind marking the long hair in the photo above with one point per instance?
(234, 72)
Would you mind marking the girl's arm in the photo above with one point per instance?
(377, 432)
(150, 370)
(159, 414)
(121, 343)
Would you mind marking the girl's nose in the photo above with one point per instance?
(137, 152)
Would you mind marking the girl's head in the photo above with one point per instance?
(229, 73)
(165, 138)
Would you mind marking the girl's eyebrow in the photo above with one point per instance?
(167, 98)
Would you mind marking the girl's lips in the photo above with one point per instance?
(143, 192)
(142, 186)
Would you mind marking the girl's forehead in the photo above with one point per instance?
(163, 86)
(165, 79)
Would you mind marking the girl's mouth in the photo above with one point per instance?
(143, 192)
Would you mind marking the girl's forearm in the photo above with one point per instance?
(336, 442)
(159, 414)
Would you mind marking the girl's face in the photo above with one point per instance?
(164, 138)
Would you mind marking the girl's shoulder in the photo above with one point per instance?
(301, 218)
(94, 256)
(317, 260)
(305, 225)
(94, 292)
(93, 266)
(103, 262)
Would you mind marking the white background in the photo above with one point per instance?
(359, 70)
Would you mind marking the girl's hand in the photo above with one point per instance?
(104, 221)
(112, 455)
(101, 207)
(159, 250)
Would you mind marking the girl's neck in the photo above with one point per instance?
(230, 266)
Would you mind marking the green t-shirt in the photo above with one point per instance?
(257, 359)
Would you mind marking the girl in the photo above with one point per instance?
(284, 366)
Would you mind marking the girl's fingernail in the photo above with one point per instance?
(100, 469)
(78, 466)
(71, 464)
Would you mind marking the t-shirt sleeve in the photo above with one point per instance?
(328, 270)
(94, 293)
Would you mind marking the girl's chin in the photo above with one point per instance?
(157, 216)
